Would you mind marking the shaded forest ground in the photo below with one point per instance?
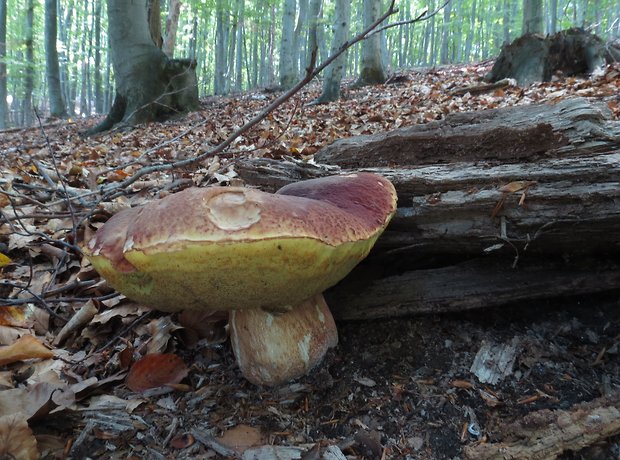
(391, 389)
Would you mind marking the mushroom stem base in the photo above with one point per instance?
(272, 349)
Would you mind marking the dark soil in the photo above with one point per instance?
(399, 388)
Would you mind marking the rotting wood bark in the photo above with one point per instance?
(519, 133)
(481, 230)
(546, 434)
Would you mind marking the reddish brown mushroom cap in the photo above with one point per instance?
(226, 248)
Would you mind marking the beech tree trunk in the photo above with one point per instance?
(495, 207)
(57, 106)
(335, 71)
(4, 110)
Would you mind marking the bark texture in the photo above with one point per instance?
(533, 58)
(149, 86)
(495, 207)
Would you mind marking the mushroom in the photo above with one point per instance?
(266, 257)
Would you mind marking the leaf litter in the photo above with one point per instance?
(90, 373)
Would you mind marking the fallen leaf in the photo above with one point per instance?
(156, 370)
(242, 437)
(16, 438)
(26, 347)
(182, 441)
(4, 260)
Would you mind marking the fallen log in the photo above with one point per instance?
(484, 227)
(546, 434)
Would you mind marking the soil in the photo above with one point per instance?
(398, 388)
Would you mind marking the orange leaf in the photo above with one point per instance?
(26, 347)
(156, 370)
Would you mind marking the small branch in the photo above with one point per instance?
(421, 17)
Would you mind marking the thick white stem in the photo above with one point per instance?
(272, 349)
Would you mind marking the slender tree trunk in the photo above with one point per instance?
(553, 17)
(532, 17)
(221, 29)
(27, 114)
(172, 24)
(470, 35)
(98, 89)
(335, 71)
(288, 74)
(84, 70)
(57, 106)
(445, 34)
(4, 110)
(372, 71)
(313, 37)
(239, 47)
(299, 54)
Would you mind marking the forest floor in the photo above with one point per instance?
(400, 388)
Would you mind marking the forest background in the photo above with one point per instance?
(246, 44)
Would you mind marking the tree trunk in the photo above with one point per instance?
(480, 224)
(313, 38)
(4, 110)
(288, 73)
(57, 106)
(335, 71)
(372, 71)
(532, 17)
(221, 43)
(28, 108)
(149, 86)
(172, 24)
(99, 100)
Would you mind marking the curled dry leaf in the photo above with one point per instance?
(26, 347)
(16, 439)
(156, 370)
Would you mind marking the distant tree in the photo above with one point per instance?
(57, 106)
(335, 71)
(221, 44)
(313, 35)
(27, 107)
(445, 34)
(372, 71)
(172, 24)
(288, 69)
(4, 110)
(532, 17)
(149, 85)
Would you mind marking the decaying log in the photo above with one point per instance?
(546, 434)
(506, 135)
(371, 291)
(483, 224)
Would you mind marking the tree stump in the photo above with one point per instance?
(533, 58)
(499, 206)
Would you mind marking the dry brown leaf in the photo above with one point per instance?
(242, 437)
(156, 370)
(26, 347)
(16, 439)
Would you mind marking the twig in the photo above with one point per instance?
(311, 73)
(421, 17)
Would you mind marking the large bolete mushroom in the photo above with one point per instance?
(268, 257)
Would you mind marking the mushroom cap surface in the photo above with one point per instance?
(227, 248)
